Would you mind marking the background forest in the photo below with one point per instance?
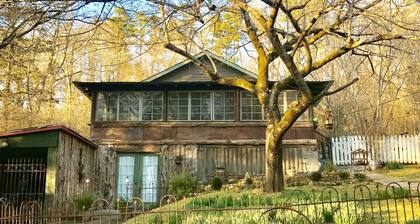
(45, 46)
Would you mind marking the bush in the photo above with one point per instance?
(216, 183)
(83, 201)
(316, 176)
(248, 179)
(360, 176)
(393, 165)
(329, 166)
(182, 184)
(344, 175)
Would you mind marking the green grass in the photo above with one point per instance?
(203, 208)
(408, 173)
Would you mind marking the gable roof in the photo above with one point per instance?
(198, 56)
(48, 128)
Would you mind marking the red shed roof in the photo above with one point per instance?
(47, 128)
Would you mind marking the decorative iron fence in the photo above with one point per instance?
(361, 204)
(23, 179)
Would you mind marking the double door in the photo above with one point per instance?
(138, 176)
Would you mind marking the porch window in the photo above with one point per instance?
(178, 103)
(129, 106)
(138, 177)
(285, 100)
(107, 106)
(251, 109)
(224, 105)
(200, 106)
(152, 106)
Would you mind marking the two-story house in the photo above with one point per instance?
(179, 120)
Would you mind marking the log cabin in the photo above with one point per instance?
(179, 120)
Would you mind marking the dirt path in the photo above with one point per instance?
(384, 180)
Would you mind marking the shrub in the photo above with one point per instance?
(316, 176)
(328, 217)
(248, 179)
(329, 166)
(344, 175)
(216, 183)
(393, 165)
(360, 176)
(83, 201)
(182, 184)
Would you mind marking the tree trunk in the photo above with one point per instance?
(274, 181)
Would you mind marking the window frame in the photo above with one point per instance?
(141, 104)
(234, 105)
(211, 105)
(137, 182)
(240, 109)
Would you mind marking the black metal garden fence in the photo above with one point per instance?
(365, 203)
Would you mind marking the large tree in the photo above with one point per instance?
(303, 36)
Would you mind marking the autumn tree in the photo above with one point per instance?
(303, 36)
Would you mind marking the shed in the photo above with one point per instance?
(46, 164)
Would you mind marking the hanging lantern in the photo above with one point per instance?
(329, 120)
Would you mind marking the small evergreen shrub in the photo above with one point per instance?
(360, 176)
(328, 217)
(316, 176)
(344, 175)
(83, 201)
(393, 166)
(329, 166)
(216, 183)
(182, 184)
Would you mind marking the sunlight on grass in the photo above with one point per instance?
(247, 207)
(408, 173)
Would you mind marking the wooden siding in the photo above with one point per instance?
(206, 131)
(191, 73)
(237, 160)
(74, 164)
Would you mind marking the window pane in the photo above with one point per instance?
(200, 105)
(126, 176)
(224, 105)
(150, 179)
(106, 106)
(152, 106)
(250, 107)
(177, 106)
(129, 106)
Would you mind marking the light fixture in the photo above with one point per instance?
(329, 121)
(4, 143)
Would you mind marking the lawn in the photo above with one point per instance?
(248, 206)
(408, 173)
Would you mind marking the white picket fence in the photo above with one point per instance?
(398, 148)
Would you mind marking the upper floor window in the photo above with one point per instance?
(201, 105)
(251, 109)
(285, 100)
(129, 106)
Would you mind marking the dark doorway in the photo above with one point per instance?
(23, 174)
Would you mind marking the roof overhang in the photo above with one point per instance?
(89, 87)
(48, 128)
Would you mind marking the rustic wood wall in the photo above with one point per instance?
(181, 131)
(75, 163)
(237, 160)
(106, 167)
